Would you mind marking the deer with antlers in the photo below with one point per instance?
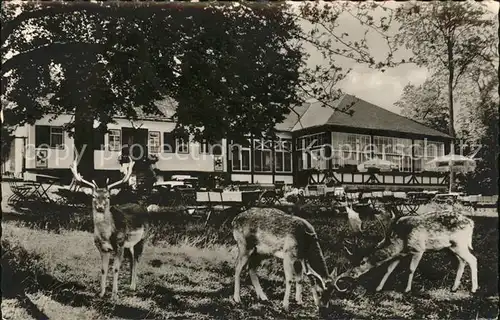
(116, 228)
(413, 235)
(266, 232)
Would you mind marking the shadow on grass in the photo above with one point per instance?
(19, 278)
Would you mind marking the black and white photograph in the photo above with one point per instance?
(250, 160)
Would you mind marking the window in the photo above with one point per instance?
(154, 142)
(205, 147)
(312, 141)
(262, 155)
(283, 155)
(49, 136)
(114, 140)
(217, 148)
(182, 145)
(424, 151)
(211, 148)
(240, 158)
(57, 137)
(169, 144)
(350, 148)
(395, 150)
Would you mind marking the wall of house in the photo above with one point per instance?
(55, 158)
(192, 161)
(106, 159)
(353, 148)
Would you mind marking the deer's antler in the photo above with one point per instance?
(126, 177)
(79, 178)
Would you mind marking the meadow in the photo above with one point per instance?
(50, 268)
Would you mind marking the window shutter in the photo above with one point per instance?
(42, 136)
(169, 145)
(98, 140)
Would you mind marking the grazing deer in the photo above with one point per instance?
(266, 232)
(116, 228)
(413, 235)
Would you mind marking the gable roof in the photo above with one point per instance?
(364, 115)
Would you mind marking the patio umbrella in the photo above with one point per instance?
(451, 162)
(377, 163)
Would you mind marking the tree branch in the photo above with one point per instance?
(48, 52)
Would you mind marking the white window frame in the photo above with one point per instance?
(157, 145)
(61, 134)
(304, 141)
(115, 133)
(240, 158)
(386, 149)
(182, 146)
(357, 143)
(204, 147)
(263, 146)
(424, 155)
(280, 147)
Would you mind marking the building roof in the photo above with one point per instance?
(292, 118)
(369, 116)
(315, 115)
(166, 107)
(363, 115)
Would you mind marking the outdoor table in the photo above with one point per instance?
(227, 198)
(39, 188)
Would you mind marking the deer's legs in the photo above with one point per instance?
(116, 270)
(315, 295)
(133, 270)
(298, 288)
(252, 270)
(288, 268)
(299, 279)
(104, 271)
(242, 260)
(472, 262)
(460, 272)
(390, 269)
(135, 255)
(415, 260)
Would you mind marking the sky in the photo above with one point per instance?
(380, 88)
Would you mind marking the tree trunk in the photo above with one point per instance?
(84, 134)
(451, 127)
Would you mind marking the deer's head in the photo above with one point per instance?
(101, 196)
(324, 287)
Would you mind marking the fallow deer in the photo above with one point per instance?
(413, 235)
(266, 232)
(116, 228)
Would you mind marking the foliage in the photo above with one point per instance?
(6, 138)
(447, 36)
(97, 60)
(426, 103)
(323, 31)
(485, 178)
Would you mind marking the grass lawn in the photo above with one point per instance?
(52, 267)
